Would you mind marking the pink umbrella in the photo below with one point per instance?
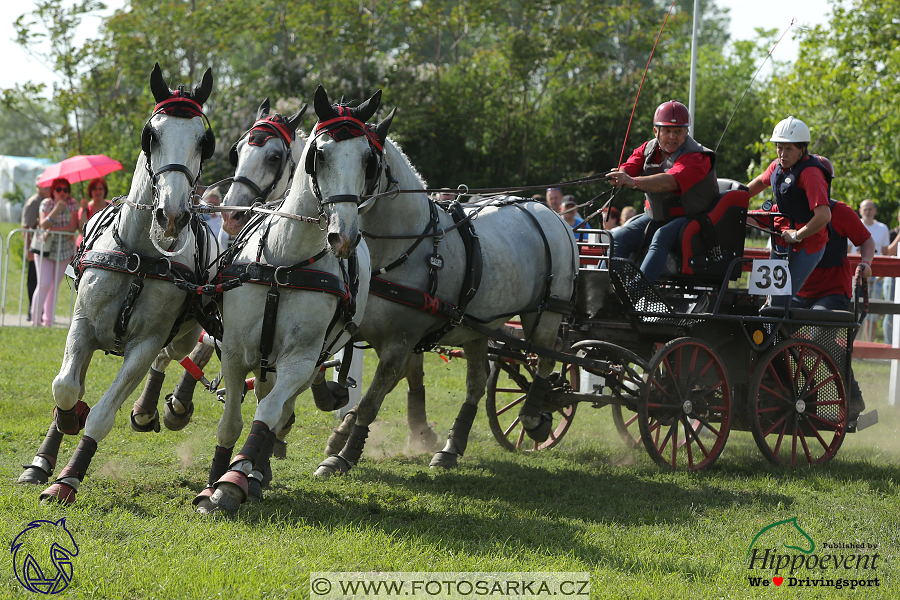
(80, 168)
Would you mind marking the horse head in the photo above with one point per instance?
(264, 163)
(345, 158)
(175, 142)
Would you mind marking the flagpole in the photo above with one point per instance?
(691, 100)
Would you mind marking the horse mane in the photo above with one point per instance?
(389, 143)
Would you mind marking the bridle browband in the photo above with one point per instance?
(343, 127)
(286, 136)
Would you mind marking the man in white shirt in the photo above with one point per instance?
(214, 220)
(882, 237)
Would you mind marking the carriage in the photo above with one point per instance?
(684, 362)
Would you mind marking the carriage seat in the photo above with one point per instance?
(809, 314)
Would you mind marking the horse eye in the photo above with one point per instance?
(320, 154)
(274, 158)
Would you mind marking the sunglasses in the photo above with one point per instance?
(61, 189)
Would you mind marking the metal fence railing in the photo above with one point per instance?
(19, 296)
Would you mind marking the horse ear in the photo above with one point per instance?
(202, 91)
(367, 109)
(322, 105)
(263, 110)
(382, 128)
(158, 85)
(294, 122)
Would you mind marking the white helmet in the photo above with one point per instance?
(791, 130)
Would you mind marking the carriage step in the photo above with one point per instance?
(865, 420)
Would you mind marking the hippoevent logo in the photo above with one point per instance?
(784, 554)
(30, 549)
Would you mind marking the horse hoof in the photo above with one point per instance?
(422, 442)
(444, 460)
(202, 503)
(279, 451)
(33, 474)
(541, 432)
(266, 469)
(331, 465)
(254, 490)
(231, 491)
(58, 492)
(174, 421)
(152, 425)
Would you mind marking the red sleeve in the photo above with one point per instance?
(848, 224)
(689, 170)
(635, 163)
(813, 181)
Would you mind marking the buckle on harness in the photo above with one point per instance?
(136, 267)
(253, 270)
(168, 267)
(275, 276)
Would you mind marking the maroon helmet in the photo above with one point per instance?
(672, 114)
(827, 164)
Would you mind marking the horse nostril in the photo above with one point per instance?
(335, 240)
(161, 219)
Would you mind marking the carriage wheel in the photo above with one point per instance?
(685, 413)
(502, 405)
(626, 383)
(798, 405)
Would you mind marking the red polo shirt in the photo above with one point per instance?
(837, 280)
(688, 170)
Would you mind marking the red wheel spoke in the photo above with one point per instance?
(775, 394)
(812, 373)
(696, 438)
(511, 404)
(717, 432)
(673, 432)
(794, 443)
(827, 424)
(512, 426)
(809, 459)
(819, 437)
(697, 397)
(796, 376)
(771, 369)
(783, 419)
(521, 437)
(821, 385)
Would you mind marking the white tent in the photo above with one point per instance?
(22, 171)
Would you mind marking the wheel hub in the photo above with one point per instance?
(801, 406)
(687, 407)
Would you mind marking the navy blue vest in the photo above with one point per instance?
(792, 200)
(835, 248)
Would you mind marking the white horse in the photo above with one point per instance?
(320, 304)
(529, 261)
(265, 158)
(127, 301)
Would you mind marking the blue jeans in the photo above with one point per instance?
(801, 266)
(663, 238)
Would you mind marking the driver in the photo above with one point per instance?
(678, 178)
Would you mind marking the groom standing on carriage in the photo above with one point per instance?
(678, 178)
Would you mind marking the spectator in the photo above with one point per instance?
(611, 218)
(889, 283)
(802, 193)
(678, 178)
(571, 217)
(627, 213)
(213, 220)
(95, 202)
(58, 213)
(882, 238)
(31, 220)
(554, 198)
(539, 198)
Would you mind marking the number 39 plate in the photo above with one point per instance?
(770, 278)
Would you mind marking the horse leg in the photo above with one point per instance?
(179, 407)
(338, 438)
(538, 423)
(391, 366)
(244, 476)
(100, 420)
(280, 449)
(228, 431)
(44, 461)
(422, 438)
(261, 476)
(476, 379)
(145, 414)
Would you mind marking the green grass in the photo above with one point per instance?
(588, 505)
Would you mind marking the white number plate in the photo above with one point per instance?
(770, 277)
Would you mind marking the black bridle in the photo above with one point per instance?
(287, 138)
(340, 128)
